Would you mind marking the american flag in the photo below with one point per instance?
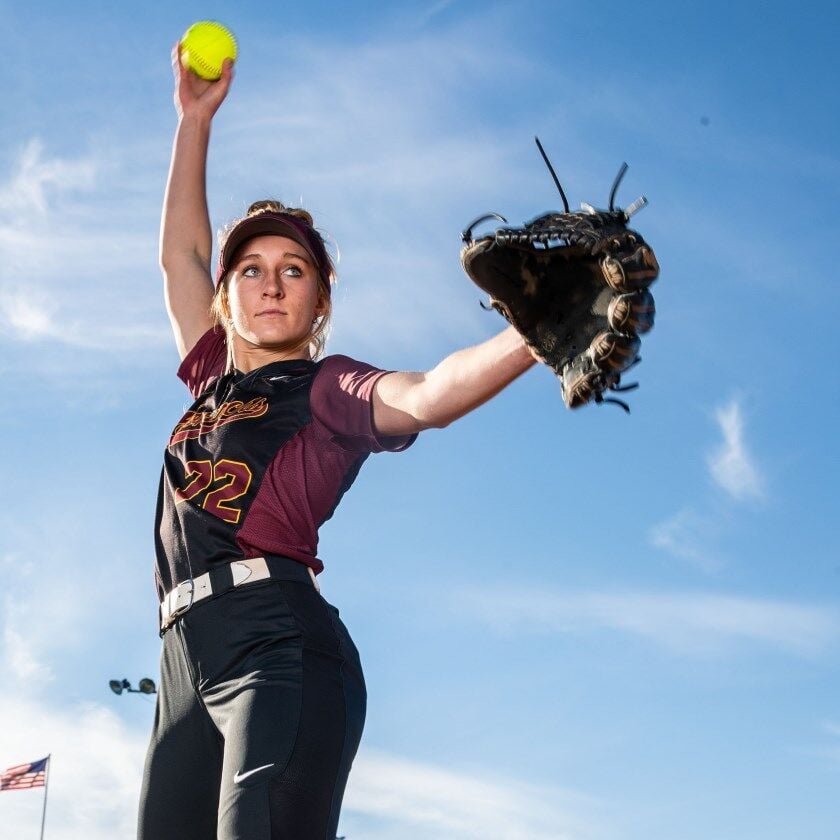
(25, 776)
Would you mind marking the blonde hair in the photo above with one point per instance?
(220, 306)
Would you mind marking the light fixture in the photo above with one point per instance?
(117, 686)
(145, 686)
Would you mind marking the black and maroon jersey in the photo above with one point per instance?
(261, 459)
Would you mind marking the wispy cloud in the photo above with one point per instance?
(36, 176)
(731, 465)
(21, 662)
(71, 267)
(689, 623)
(31, 646)
(692, 532)
(398, 797)
(688, 535)
(28, 318)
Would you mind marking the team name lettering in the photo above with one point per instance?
(197, 423)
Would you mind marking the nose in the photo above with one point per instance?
(273, 287)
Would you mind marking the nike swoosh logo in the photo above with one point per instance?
(240, 777)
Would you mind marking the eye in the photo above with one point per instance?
(293, 271)
(250, 271)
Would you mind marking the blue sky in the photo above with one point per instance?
(580, 625)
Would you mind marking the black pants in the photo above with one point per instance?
(259, 715)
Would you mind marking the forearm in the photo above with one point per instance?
(468, 378)
(185, 222)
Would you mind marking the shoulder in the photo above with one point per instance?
(205, 362)
(347, 375)
(340, 362)
(342, 402)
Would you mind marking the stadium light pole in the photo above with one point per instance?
(145, 686)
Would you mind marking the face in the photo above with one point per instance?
(273, 295)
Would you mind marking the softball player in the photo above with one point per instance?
(262, 699)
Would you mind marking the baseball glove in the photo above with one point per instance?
(575, 285)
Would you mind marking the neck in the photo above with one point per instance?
(246, 357)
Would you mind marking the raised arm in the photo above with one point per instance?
(186, 240)
(404, 403)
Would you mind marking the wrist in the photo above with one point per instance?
(191, 121)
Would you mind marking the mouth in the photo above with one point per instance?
(270, 312)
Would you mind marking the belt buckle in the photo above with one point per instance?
(177, 611)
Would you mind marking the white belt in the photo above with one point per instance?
(178, 600)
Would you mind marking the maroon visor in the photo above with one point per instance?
(274, 224)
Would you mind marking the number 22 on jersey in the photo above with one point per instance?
(225, 480)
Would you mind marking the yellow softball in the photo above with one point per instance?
(205, 46)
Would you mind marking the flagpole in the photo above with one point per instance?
(46, 788)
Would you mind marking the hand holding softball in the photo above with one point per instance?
(205, 47)
(202, 62)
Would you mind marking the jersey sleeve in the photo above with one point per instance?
(342, 403)
(205, 362)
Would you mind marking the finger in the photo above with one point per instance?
(186, 75)
(226, 78)
(177, 63)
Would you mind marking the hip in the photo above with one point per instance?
(262, 633)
